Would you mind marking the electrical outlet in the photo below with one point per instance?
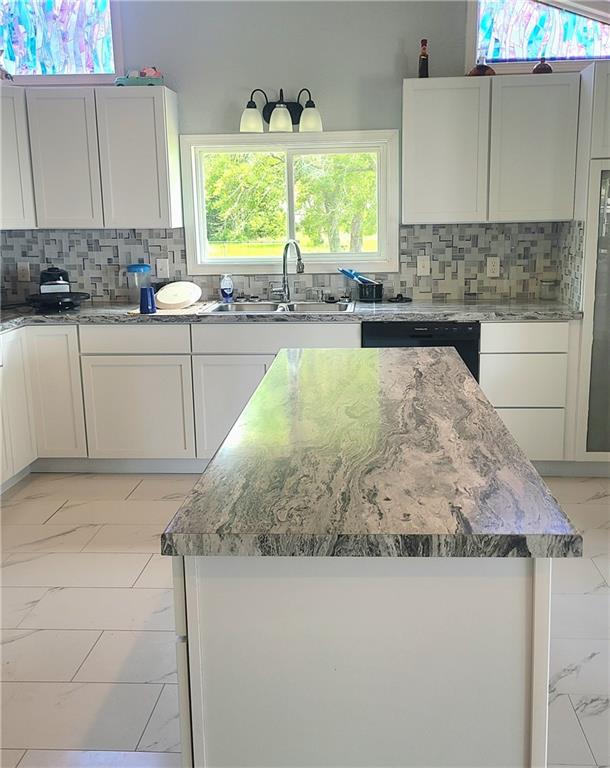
(162, 267)
(423, 264)
(23, 272)
(493, 266)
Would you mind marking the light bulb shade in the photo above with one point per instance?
(251, 120)
(280, 120)
(311, 121)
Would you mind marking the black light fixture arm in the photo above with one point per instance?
(294, 107)
(251, 103)
(309, 102)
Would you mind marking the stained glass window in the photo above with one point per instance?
(56, 37)
(526, 30)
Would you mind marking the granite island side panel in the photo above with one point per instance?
(371, 453)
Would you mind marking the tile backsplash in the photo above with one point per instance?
(97, 261)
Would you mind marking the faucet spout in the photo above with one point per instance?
(300, 267)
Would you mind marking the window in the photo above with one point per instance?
(57, 38)
(336, 193)
(526, 30)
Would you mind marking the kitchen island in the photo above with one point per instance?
(362, 573)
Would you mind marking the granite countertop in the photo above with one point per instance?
(370, 452)
(507, 311)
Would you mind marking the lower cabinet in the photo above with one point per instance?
(57, 396)
(6, 459)
(222, 385)
(18, 432)
(139, 406)
(538, 431)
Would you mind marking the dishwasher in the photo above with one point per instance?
(464, 337)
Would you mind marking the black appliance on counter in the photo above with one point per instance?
(465, 337)
(54, 292)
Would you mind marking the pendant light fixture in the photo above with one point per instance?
(281, 115)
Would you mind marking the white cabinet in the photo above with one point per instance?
(18, 423)
(533, 147)
(139, 156)
(57, 396)
(139, 406)
(16, 186)
(65, 157)
(539, 431)
(524, 380)
(269, 338)
(445, 149)
(6, 458)
(222, 385)
(600, 133)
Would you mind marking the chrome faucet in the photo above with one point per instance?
(285, 291)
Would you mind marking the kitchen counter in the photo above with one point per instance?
(375, 453)
(418, 311)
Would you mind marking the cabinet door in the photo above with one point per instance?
(57, 395)
(16, 186)
(538, 431)
(524, 380)
(138, 154)
(17, 398)
(600, 133)
(533, 147)
(6, 454)
(223, 384)
(138, 406)
(65, 157)
(445, 132)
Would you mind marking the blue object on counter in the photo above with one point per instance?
(148, 306)
(357, 277)
(138, 267)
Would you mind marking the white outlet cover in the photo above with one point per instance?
(162, 267)
(493, 266)
(423, 264)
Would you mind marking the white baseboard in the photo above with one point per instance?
(121, 466)
(573, 468)
(16, 478)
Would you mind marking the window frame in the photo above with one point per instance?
(515, 67)
(88, 79)
(385, 143)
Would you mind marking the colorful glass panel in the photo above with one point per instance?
(526, 30)
(56, 37)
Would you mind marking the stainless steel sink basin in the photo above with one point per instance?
(301, 307)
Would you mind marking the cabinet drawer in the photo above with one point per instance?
(538, 431)
(140, 339)
(269, 338)
(524, 381)
(524, 337)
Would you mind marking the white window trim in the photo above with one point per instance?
(385, 142)
(94, 79)
(512, 67)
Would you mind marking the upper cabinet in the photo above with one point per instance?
(534, 124)
(65, 159)
(445, 149)
(139, 157)
(104, 157)
(489, 149)
(600, 133)
(16, 188)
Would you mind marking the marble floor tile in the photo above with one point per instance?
(44, 655)
(579, 490)
(78, 486)
(593, 714)
(162, 733)
(77, 759)
(157, 574)
(567, 743)
(596, 542)
(76, 512)
(131, 657)
(73, 569)
(579, 666)
(164, 488)
(17, 602)
(577, 576)
(87, 716)
(131, 609)
(587, 516)
(46, 538)
(9, 758)
(580, 616)
(126, 538)
(35, 512)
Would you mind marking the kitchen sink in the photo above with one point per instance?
(301, 307)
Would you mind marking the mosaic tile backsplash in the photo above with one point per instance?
(97, 261)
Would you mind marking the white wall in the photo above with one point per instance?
(352, 55)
